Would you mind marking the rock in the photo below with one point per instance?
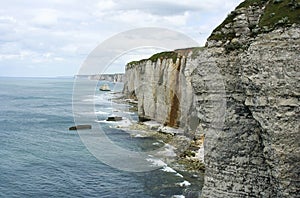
(245, 100)
(80, 127)
(152, 125)
(158, 97)
(144, 118)
(104, 87)
(170, 130)
(119, 77)
(114, 118)
(255, 151)
(256, 154)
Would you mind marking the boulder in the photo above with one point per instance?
(114, 118)
(80, 127)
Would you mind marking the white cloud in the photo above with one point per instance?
(7, 19)
(106, 5)
(69, 48)
(46, 17)
(167, 7)
(50, 31)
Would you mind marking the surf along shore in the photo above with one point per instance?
(178, 153)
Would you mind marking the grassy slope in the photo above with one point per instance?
(277, 13)
(155, 57)
(280, 13)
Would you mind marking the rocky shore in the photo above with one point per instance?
(188, 153)
(240, 91)
(178, 152)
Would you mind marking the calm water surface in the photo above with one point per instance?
(40, 157)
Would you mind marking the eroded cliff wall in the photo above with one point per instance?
(256, 151)
(108, 77)
(162, 87)
(242, 91)
(117, 77)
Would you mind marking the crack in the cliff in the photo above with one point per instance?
(175, 103)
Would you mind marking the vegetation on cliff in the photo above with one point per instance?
(162, 55)
(280, 13)
(168, 55)
(275, 13)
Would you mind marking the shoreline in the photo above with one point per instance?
(187, 150)
(177, 153)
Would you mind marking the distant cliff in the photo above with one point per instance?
(250, 69)
(118, 77)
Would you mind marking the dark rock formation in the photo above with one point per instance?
(80, 127)
(114, 118)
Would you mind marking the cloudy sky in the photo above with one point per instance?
(54, 37)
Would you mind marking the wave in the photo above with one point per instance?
(184, 183)
(101, 113)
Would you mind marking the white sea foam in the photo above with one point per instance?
(124, 123)
(165, 167)
(168, 151)
(101, 113)
(178, 196)
(136, 133)
(168, 169)
(102, 121)
(157, 162)
(88, 100)
(184, 183)
(130, 113)
(119, 124)
(179, 175)
(138, 136)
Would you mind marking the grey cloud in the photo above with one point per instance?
(84, 25)
(169, 8)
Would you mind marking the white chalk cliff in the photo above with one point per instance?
(242, 91)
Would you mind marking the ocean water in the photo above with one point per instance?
(40, 157)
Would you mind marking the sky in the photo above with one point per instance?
(54, 37)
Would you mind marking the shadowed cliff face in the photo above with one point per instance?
(243, 91)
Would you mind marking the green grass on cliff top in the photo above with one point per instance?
(162, 55)
(166, 55)
(277, 13)
(281, 13)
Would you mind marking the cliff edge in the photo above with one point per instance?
(242, 91)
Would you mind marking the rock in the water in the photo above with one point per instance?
(114, 118)
(80, 127)
(144, 119)
(104, 87)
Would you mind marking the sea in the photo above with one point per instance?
(41, 157)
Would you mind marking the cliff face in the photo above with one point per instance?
(242, 91)
(162, 89)
(108, 77)
(256, 152)
(118, 77)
